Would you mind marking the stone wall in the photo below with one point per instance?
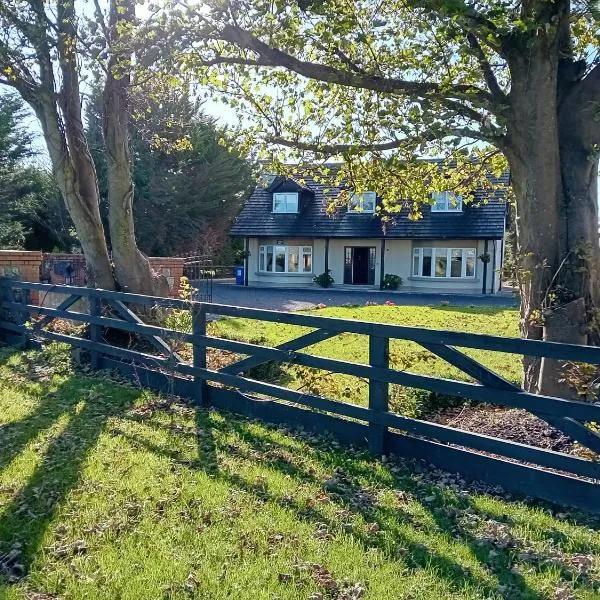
(171, 268)
(69, 269)
(22, 265)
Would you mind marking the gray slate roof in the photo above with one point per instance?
(481, 218)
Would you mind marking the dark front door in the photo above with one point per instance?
(359, 265)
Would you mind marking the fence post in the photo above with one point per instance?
(379, 356)
(3, 311)
(95, 331)
(24, 317)
(199, 351)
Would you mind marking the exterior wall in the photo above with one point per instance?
(36, 266)
(22, 265)
(398, 261)
(497, 266)
(255, 277)
(171, 268)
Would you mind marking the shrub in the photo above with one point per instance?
(417, 403)
(391, 282)
(181, 319)
(324, 280)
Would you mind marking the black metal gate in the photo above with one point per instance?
(63, 269)
(203, 286)
(200, 274)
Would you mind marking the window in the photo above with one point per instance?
(285, 202)
(446, 202)
(285, 259)
(444, 262)
(363, 202)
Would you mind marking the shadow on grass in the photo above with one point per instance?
(383, 528)
(397, 533)
(87, 406)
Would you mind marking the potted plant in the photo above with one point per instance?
(391, 282)
(324, 280)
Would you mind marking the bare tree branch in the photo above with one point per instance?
(432, 135)
(486, 68)
(334, 148)
(270, 56)
(228, 60)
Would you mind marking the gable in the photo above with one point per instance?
(287, 184)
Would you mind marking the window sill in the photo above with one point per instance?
(279, 273)
(461, 279)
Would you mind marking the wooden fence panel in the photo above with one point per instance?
(531, 470)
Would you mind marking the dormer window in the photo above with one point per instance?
(446, 202)
(285, 202)
(363, 202)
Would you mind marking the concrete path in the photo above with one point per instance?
(298, 299)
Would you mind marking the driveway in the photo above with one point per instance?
(299, 299)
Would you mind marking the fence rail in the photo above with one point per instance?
(550, 475)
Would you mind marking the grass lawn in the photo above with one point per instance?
(404, 355)
(107, 491)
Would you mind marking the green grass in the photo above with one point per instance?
(107, 491)
(404, 355)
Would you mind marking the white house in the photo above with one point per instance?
(457, 246)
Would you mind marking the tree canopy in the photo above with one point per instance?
(386, 82)
(188, 185)
(31, 215)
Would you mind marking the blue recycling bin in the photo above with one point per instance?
(239, 276)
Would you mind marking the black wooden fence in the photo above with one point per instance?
(530, 470)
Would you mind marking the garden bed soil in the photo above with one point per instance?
(512, 424)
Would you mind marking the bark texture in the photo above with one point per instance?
(59, 114)
(132, 268)
(550, 148)
(80, 193)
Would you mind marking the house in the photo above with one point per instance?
(291, 237)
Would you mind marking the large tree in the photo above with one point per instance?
(45, 50)
(381, 82)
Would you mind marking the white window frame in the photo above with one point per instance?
(447, 252)
(451, 202)
(301, 251)
(287, 196)
(356, 205)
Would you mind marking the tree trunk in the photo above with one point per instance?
(534, 159)
(132, 268)
(80, 193)
(553, 176)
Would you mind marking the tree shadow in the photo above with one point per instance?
(496, 557)
(87, 406)
(378, 527)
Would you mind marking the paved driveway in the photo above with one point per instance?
(292, 299)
